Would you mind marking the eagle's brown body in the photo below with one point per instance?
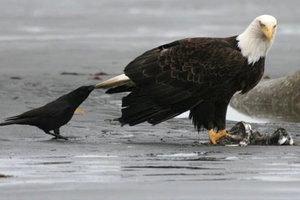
(196, 74)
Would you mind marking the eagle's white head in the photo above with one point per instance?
(257, 39)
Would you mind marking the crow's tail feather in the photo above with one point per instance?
(7, 123)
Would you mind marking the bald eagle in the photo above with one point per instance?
(196, 74)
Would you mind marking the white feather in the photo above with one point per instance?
(252, 42)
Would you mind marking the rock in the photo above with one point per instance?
(5, 176)
(100, 74)
(71, 73)
(276, 99)
(15, 77)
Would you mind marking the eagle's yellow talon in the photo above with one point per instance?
(222, 133)
(215, 137)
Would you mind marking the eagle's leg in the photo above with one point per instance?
(219, 121)
(215, 137)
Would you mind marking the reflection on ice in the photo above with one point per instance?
(233, 115)
(179, 155)
(95, 156)
(89, 168)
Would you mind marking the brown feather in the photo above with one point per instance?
(197, 74)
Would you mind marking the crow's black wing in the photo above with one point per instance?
(51, 110)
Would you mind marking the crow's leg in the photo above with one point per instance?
(56, 131)
(56, 134)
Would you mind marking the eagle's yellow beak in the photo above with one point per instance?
(268, 32)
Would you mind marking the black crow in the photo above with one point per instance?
(54, 114)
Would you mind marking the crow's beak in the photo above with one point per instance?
(91, 88)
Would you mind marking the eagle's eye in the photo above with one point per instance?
(261, 24)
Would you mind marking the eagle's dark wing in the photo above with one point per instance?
(176, 77)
